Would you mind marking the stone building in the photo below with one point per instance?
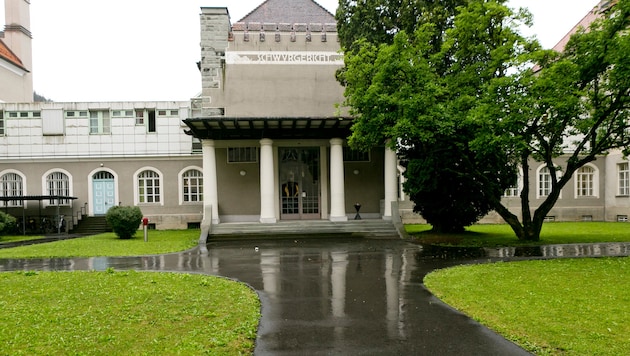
(264, 142)
(273, 137)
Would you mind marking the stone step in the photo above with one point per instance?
(354, 228)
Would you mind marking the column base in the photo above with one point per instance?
(338, 218)
(268, 220)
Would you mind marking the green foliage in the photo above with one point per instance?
(124, 220)
(108, 244)
(417, 93)
(126, 313)
(556, 307)
(467, 101)
(7, 223)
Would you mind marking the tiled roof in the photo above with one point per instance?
(289, 11)
(8, 55)
(603, 6)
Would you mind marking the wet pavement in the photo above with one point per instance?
(341, 296)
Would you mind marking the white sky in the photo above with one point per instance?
(135, 50)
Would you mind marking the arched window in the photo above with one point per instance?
(584, 177)
(58, 183)
(544, 182)
(192, 186)
(148, 187)
(586, 181)
(11, 185)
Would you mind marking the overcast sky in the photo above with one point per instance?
(134, 50)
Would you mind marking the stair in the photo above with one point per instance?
(369, 228)
(91, 225)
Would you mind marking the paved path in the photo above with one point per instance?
(333, 296)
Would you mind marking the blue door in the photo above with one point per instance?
(104, 192)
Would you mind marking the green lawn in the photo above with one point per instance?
(488, 235)
(108, 244)
(554, 307)
(125, 313)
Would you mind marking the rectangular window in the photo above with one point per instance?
(139, 117)
(122, 113)
(623, 174)
(146, 117)
(196, 145)
(544, 183)
(511, 192)
(100, 123)
(242, 154)
(1, 124)
(350, 155)
(23, 114)
(151, 127)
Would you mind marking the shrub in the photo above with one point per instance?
(7, 223)
(124, 220)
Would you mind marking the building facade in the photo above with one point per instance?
(264, 142)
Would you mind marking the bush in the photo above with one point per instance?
(7, 223)
(124, 220)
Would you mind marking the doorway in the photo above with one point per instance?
(104, 192)
(299, 183)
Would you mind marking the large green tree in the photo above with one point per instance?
(564, 113)
(418, 95)
(478, 98)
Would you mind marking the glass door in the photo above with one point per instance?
(299, 183)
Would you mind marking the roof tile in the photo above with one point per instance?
(289, 11)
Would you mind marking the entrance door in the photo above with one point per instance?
(299, 183)
(103, 189)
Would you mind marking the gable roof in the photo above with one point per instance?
(9, 56)
(289, 11)
(591, 16)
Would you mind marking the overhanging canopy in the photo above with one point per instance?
(36, 197)
(232, 128)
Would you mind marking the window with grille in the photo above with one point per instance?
(58, 184)
(623, 174)
(1, 124)
(585, 178)
(350, 155)
(544, 182)
(192, 188)
(11, 185)
(148, 187)
(242, 154)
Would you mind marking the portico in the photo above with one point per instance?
(300, 166)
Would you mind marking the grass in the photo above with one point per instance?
(125, 313)
(15, 238)
(502, 235)
(554, 307)
(108, 244)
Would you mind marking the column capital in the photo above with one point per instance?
(207, 143)
(336, 141)
(266, 142)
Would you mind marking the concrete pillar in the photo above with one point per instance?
(391, 182)
(337, 182)
(267, 191)
(210, 194)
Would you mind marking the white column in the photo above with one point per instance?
(210, 187)
(337, 182)
(391, 182)
(267, 191)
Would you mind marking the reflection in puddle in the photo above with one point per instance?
(557, 251)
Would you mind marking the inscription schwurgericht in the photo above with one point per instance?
(312, 58)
